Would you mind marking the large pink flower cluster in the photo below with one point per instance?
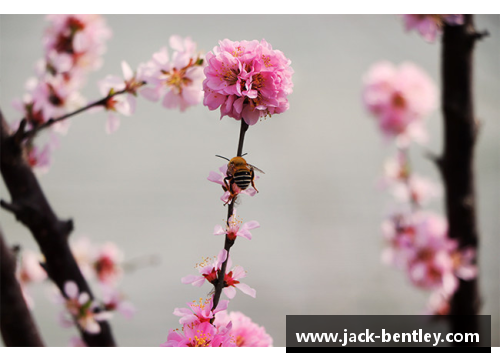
(430, 25)
(247, 80)
(197, 329)
(245, 332)
(400, 98)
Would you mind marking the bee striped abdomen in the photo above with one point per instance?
(242, 179)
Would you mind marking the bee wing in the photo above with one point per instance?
(256, 168)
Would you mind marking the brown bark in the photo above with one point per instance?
(16, 323)
(457, 162)
(31, 208)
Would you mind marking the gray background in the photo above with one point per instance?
(318, 248)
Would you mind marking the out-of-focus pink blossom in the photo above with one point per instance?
(438, 304)
(101, 262)
(201, 335)
(107, 263)
(218, 177)
(83, 251)
(30, 270)
(40, 158)
(399, 98)
(199, 312)
(247, 80)
(113, 300)
(417, 189)
(81, 309)
(235, 229)
(75, 41)
(178, 80)
(430, 25)
(420, 245)
(245, 332)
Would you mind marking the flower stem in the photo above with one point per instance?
(228, 243)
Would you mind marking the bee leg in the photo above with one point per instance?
(229, 188)
(252, 174)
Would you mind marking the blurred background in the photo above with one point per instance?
(319, 245)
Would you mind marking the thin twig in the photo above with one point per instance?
(228, 243)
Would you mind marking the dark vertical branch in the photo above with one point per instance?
(457, 163)
(16, 324)
(31, 208)
(228, 243)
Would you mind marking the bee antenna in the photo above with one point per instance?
(223, 157)
(244, 154)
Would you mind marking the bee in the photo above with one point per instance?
(241, 173)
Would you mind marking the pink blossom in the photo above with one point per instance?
(82, 309)
(208, 269)
(123, 103)
(178, 80)
(399, 98)
(430, 25)
(245, 332)
(417, 189)
(200, 335)
(53, 97)
(40, 158)
(219, 179)
(113, 300)
(79, 38)
(199, 312)
(210, 272)
(29, 269)
(247, 80)
(438, 304)
(235, 229)
(107, 263)
(84, 253)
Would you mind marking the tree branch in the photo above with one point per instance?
(16, 323)
(31, 208)
(460, 131)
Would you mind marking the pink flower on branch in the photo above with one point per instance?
(430, 25)
(81, 309)
(210, 272)
(399, 98)
(120, 94)
(199, 312)
(235, 228)
(245, 332)
(219, 179)
(247, 80)
(178, 80)
(201, 335)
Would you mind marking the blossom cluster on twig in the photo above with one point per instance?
(73, 46)
(248, 81)
(417, 240)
